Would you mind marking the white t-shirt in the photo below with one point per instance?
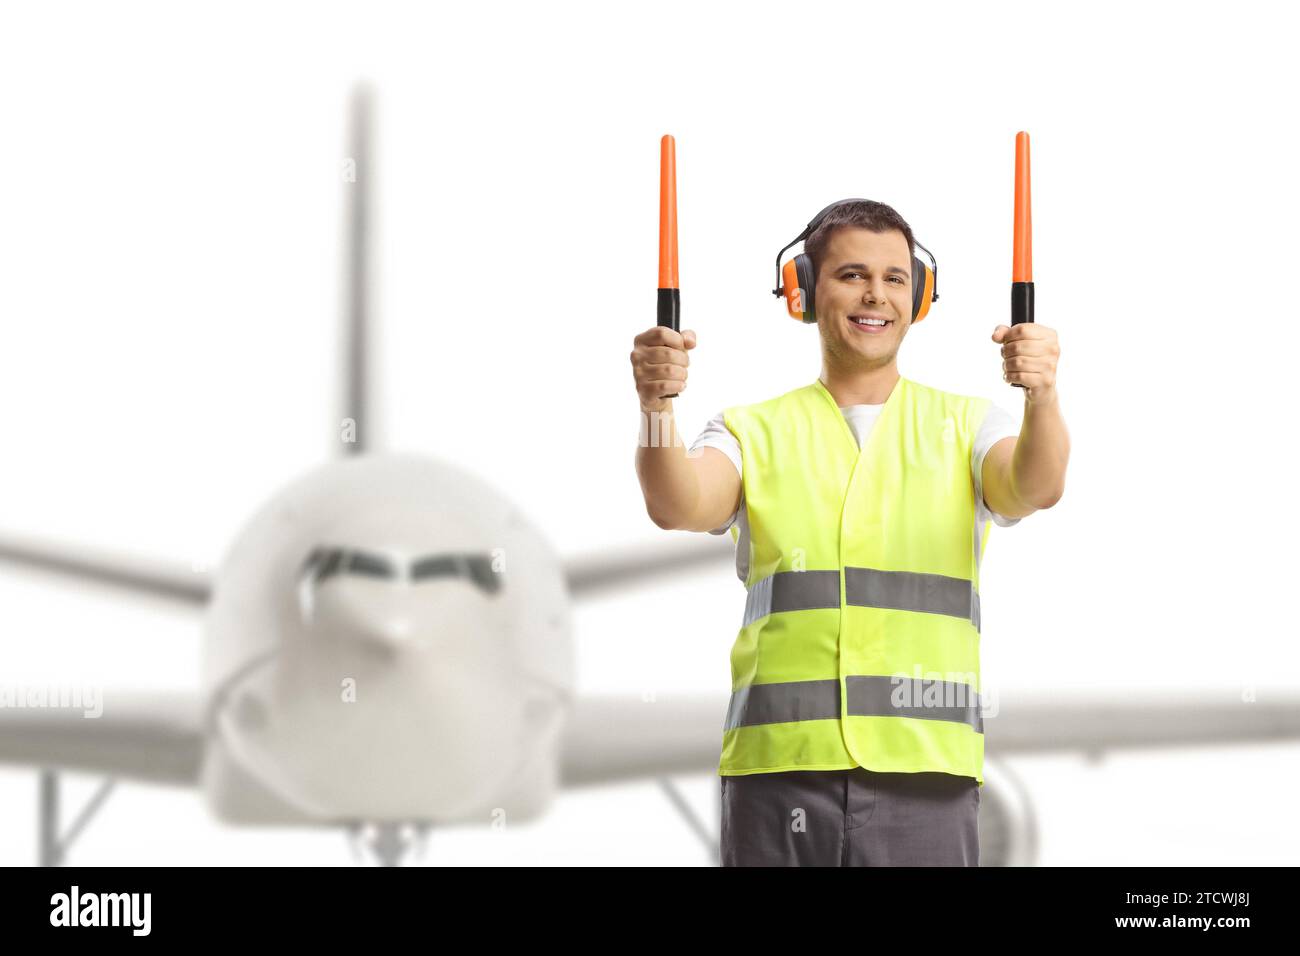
(997, 424)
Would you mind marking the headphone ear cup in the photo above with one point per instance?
(922, 289)
(793, 291)
(808, 283)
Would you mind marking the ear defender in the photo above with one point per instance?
(798, 285)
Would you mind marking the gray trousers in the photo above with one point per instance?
(852, 817)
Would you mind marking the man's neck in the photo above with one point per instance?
(860, 386)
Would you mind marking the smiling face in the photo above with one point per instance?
(863, 275)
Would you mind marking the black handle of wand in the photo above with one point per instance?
(1022, 307)
(670, 314)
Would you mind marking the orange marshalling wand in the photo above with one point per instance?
(667, 213)
(670, 297)
(1022, 259)
(1022, 264)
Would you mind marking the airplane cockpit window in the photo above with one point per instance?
(476, 567)
(373, 565)
(321, 564)
(324, 563)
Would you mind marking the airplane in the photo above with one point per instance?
(388, 647)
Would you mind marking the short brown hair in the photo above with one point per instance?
(862, 214)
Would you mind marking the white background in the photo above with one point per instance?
(170, 258)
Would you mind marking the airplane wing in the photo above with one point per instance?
(613, 569)
(154, 737)
(612, 739)
(158, 737)
(133, 573)
(1142, 719)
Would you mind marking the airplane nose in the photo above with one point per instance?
(394, 631)
(378, 615)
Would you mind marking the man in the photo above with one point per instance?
(860, 504)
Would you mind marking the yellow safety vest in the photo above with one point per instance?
(860, 640)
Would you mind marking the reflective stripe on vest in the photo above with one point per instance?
(859, 644)
(869, 696)
(863, 587)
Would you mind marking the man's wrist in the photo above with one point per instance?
(1043, 395)
(658, 427)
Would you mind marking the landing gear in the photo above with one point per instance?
(387, 843)
(53, 848)
(705, 835)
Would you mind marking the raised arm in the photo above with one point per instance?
(1023, 475)
(682, 492)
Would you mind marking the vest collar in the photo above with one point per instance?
(891, 403)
